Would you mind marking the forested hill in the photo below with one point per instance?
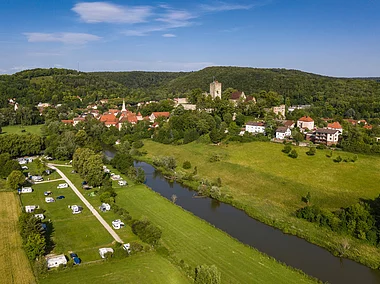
(79, 88)
(141, 79)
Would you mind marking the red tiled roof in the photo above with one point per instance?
(235, 95)
(306, 119)
(108, 118)
(334, 125)
(367, 127)
(255, 123)
(249, 98)
(163, 113)
(288, 123)
(67, 121)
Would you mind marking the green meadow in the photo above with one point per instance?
(19, 129)
(141, 268)
(196, 242)
(269, 185)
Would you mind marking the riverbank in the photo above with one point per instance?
(259, 179)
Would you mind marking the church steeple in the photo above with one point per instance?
(123, 108)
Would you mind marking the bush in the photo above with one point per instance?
(146, 231)
(337, 159)
(321, 146)
(329, 155)
(215, 158)
(287, 149)
(138, 144)
(311, 151)
(293, 154)
(205, 274)
(186, 165)
(136, 247)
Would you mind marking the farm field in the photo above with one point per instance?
(197, 242)
(269, 185)
(141, 268)
(14, 265)
(81, 233)
(17, 129)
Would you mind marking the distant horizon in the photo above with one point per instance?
(190, 71)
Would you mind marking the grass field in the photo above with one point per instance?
(141, 268)
(269, 185)
(14, 265)
(17, 129)
(197, 242)
(81, 233)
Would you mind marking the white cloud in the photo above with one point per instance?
(66, 38)
(103, 12)
(169, 35)
(223, 6)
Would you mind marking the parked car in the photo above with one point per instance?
(75, 258)
(63, 185)
(60, 197)
(47, 193)
(24, 168)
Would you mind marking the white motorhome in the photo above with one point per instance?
(122, 182)
(56, 260)
(76, 209)
(49, 199)
(40, 216)
(63, 185)
(105, 207)
(117, 224)
(26, 190)
(30, 208)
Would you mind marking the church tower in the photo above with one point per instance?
(216, 90)
(123, 109)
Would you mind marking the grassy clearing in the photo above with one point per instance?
(81, 233)
(197, 242)
(142, 268)
(14, 265)
(269, 185)
(18, 129)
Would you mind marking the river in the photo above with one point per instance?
(293, 251)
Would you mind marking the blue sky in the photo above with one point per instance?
(330, 37)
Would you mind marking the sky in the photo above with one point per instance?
(330, 37)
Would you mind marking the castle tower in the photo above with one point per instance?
(123, 108)
(216, 89)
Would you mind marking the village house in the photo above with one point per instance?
(155, 115)
(185, 103)
(77, 120)
(335, 126)
(279, 110)
(326, 136)
(255, 127)
(68, 121)
(283, 132)
(109, 120)
(305, 122)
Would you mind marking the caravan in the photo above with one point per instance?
(26, 190)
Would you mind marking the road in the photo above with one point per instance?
(88, 204)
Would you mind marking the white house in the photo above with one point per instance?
(122, 182)
(117, 224)
(56, 260)
(327, 136)
(76, 209)
(335, 126)
(40, 216)
(283, 132)
(105, 207)
(305, 122)
(49, 199)
(255, 127)
(103, 251)
(26, 190)
(30, 208)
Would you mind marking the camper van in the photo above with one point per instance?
(26, 190)
(49, 199)
(105, 207)
(117, 224)
(63, 185)
(76, 209)
(103, 251)
(122, 182)
(30, 208)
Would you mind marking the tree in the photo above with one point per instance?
(293, 154)
(140, 175)
(35, 246)
(287, 149)
(15, 179)
(186, 165)
(205, 274)
(311, 151)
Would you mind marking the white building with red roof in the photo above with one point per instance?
(305, 122)
(335, 126)
(155, 115)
